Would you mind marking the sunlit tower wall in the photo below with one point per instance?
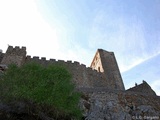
(106, 63)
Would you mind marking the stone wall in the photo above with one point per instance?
(143, 88)
(112, 105)
(14, 55)
(82, 76)
(104, 71)
(105, 62)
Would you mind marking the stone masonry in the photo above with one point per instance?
(105, 73)
(106, 63)
(14, 55)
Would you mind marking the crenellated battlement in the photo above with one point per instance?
(16, 50)
(57, 61)
(103, 72)
(14, 55)
(82, 76)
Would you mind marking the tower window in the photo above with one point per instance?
(98, 69)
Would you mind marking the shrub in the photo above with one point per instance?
(50, 86)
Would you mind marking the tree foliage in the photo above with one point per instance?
(44, 85)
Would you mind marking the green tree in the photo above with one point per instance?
(50, 86)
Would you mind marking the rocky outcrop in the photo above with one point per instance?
(106, 105)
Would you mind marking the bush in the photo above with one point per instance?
(49, 86)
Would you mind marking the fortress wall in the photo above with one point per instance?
(16, 51)
(14, 55)
(82, 76)
(142, 88)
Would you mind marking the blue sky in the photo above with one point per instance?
(75, 29)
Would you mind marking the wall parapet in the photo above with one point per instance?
(16, 51)
(14, 55)
(40, 59)
(82, 76)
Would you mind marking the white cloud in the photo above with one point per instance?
(138, 61)
(21, 24)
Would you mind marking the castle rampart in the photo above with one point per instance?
(107, 76)
(14, 55)
(103, 73)
(82, 76)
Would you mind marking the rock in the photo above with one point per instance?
(108, 106)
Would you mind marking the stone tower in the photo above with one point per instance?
(14, 55)
(106, 63)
